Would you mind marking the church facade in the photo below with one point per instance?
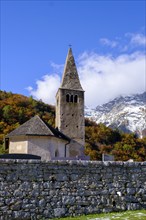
(66, 141)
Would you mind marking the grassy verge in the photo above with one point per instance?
(128, 215)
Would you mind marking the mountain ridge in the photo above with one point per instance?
(127, 113)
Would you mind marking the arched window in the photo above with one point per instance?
(75, 98)
(56, 153)
(71, 98)
(67, 97)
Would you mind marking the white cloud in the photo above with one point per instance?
(130, 41)
(104, 77)
(46, 88)
(56, 67)
(29, 88)
(108, 42)
(137, 39)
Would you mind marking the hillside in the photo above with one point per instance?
(15, 109)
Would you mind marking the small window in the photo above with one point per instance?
(75, 98)
(56, 153)
(6, 143)
(71, 98)
(67, 97)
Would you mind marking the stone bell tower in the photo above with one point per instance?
(70, 103)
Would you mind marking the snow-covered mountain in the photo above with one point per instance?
(126, 113)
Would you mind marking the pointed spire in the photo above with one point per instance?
(70, 79)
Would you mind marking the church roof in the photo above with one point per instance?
(36, 127)
(70, 79)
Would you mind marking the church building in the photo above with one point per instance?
(67, 139)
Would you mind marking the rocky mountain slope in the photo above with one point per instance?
(125, 113)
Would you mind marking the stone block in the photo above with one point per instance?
(59, 212)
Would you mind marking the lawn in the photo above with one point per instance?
(128, 215)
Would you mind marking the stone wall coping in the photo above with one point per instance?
(73, 162)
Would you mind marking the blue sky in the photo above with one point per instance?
(107, 38)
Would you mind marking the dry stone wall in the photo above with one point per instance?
(31, 189)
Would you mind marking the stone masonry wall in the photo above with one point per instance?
(32, 189)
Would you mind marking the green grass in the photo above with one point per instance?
(128, 215)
